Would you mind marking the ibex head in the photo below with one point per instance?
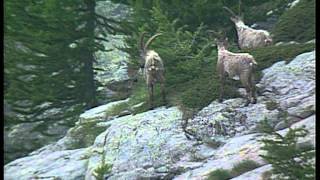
(220, 38)
(234, 18)
(144, 47)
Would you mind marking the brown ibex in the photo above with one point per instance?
(240, 65)
(247, 37)
(153, 68)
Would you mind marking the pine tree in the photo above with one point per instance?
(49, 55)
(289, 161)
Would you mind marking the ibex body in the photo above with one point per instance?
(248, 37)
(153, 68)
(236, 64)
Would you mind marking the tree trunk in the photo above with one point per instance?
(90, 93)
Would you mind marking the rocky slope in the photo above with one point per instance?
(153, 144)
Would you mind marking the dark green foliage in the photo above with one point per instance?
(244, 166)
(296, 24)
(238, 169)
(48, 80)
(219, 174)
(287, 158)
(264, 126)
(40, 65)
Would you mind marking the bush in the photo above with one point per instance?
(244, 166)
(296, 24)
(289, 161)
(238, 169)
(219, 174)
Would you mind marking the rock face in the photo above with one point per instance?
(21, 137)
(153, 144)
(111, 67)
(150, 142)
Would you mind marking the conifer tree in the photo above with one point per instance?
(288, 159)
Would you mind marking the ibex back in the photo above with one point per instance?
(153, 68)
(236, 64)
(247, 37)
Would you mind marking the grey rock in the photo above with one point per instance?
(61, 164)
(281, 125)
(152, 145)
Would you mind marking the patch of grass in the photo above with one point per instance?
(219, 174)
(244, 166)
(85, 134)
(238, 169)
(271, 105)
(297, 23)
(117, 109)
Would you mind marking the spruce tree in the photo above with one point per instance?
(49, 56)
(288, 159)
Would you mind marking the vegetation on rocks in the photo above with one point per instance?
(237, 169)
(219, 174)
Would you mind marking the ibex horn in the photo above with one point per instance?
(150, 40)
(230, 11)
(141, 40)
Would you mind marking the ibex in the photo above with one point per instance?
(153, 68)
(240, 65)
(247, 37)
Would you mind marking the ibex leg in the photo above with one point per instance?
(163, 92)
(150, 89)
(245, 80)
(222, 81)
(253, 90)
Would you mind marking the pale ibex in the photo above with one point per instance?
(247, 37)
(240, 65)
(153, 68)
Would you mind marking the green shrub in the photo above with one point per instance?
(85, 134)
(101, 170)
(289, 161)
(264, 126)
(296, 24)
(238, 169)
(271, 105)
(219, 174)
(243, 166)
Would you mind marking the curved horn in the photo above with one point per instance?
(150, 40)
(141, 40)
(230, 11)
